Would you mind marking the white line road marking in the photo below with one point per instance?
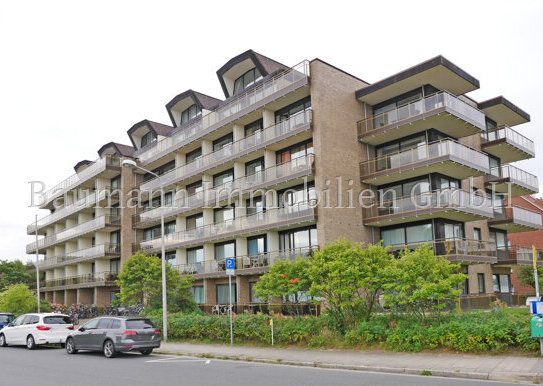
(177, 359)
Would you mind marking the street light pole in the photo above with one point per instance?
(132, 164)
(37, 267)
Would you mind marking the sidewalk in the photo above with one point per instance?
(499, 368)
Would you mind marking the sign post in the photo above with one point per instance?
(536, 281)
(230, 271)
(271, 324)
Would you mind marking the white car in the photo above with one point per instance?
(35, 329)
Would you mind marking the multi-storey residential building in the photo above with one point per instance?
(291, 159)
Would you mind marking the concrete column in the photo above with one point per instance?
(238, 132)
(241, 246)
(269, 158)
(101, 238)
(83, 243)
(243, 290)
(70, 297)
(210, 292)
(102, 265)
(84, 268)
(239, 169)
(209, 252)
(273, 241)
(70, 246)
(268, 118)
(181, 256)
(207, 146)
(208, 216)
(101, 183)
(71, 270)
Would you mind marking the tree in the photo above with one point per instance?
(18, 299)
(526, 276)
(349, 277)
(422, 282)
(140, 281)
(13, 272)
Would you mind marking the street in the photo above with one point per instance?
(53, 366)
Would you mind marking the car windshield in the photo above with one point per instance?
(139, 324)
(56, 320)
(6, 318)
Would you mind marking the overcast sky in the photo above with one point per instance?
(74, 75)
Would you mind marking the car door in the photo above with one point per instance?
(10, 333)
(28, 327)
(83, 336)
(98, 335)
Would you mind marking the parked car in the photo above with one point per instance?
(114, 334)
(5, 319)
(36, 329)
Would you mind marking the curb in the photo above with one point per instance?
(495, 376)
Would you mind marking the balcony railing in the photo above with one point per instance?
(257, 141)
(435, 201)
(518, 215)
(84, 254)
(76, 179)
(434, 152)
(515, 175)
(75, 231)
(210, 196)
(455, 248)
(101, 278)
(512, 136)
(255, 262)
(421, 107)
(296, 213)
(85, 202)
(225, 113)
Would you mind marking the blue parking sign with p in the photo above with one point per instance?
(230, 263)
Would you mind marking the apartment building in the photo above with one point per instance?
(293, 158)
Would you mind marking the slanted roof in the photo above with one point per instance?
(119, 148)
(504, 112)
(80, 164)
(265, 65)
(203, 101)
(155, 127)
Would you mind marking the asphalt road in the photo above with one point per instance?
(52, 366)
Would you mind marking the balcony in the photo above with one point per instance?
(91, 200)
(503, 177)
(515, 219)
(245, 265)
(86, 254)
(298, 214)
(108, 162)
(278, 86)
(519, 255)
(447, 157)
(102, 222)
(296, 168)
(457, 249)
(441, 111)
(508, 145)
(293, 126)
(453, 204)
(80, 281)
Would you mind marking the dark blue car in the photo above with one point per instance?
(5, 319)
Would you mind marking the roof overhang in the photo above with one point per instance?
(81, 164)
(439, 72)
(503, 112)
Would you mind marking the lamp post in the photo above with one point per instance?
(133, 165)
(37, 267)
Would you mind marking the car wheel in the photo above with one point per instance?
(70, 346)
(109, 349)
(3, 341)
(30, 343)
(147, 351)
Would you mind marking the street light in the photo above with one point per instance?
(133, 165)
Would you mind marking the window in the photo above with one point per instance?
(501, 283)
(195, 221)
(393, 236)
(115, 239)
(115, 210)
(293, 152)
(104, 324)
(194, 188)
(500, 238)
(113, 296)
(195, 255)
(32, 319)
(405, 189)
(254, 205)
(481, 282)
(114, 265)
(297, 194)
(223, 295)
(190, 113)
(223, 178)
(116, 182)
(418, 233)
(225, 250)
(91, 325)
(477, 234)
(254, 127)
(256, 245)
(147, 139)
(198, 293)
(453, 231)
(248, 79)
(254, 298)
(154, 232)
(223, 214)
(156, 201)
(160, 170)
(292, 109)
(227, 140)
(298, 238)
(254, 166)
(139, 324)
(191, 156)
(407, 235)
(19, 320)
(171, 257)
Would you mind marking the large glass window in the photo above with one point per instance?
(198, 293)
(254, 205)
(223, 214)
(405, 189)
(418, 233)
(410, 235)
(500, 238)
(293, 152)
(453, 231)
(194, 188)
(114, 265)
(190, 113)
(223, 295)
(116, 182)
(256, 245)
(160, 170)
(147, 139)
(195, 221)
(393, 236)
(292, 109)
(195, 255)
(296, 195)
(223, 178)
(298, 238)
(248, 79)
(254, 127)
(227, 140)
(502, 283)
(481, 283)
(225, 250)
(254, 166)
(154, 232)
(192, 155)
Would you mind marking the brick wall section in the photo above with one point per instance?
(127, 233)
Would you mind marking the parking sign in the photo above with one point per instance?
(230, 266)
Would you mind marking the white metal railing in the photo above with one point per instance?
(212, 195)
(81, 255)
(512, 136)
(90, 171)
(515, 175)
(238, 225)
(75, 231)
(224, 113)
(519, 216)
(421, 106)
(245, 145)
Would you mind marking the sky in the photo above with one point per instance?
(76, 75)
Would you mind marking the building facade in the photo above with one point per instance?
(294, 158)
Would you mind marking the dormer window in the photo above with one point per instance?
(190, 113)
(248, 79)
(147, 139)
